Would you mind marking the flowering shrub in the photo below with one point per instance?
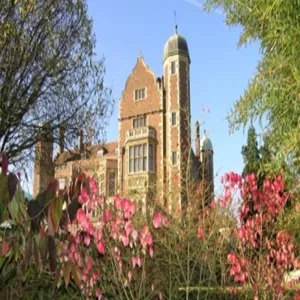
(264, 254)
(94, 249)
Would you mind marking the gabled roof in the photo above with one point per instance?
(73, 155)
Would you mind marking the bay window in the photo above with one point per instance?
(141, 158)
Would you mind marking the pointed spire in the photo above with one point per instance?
(176, 27)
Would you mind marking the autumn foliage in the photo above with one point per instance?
(75, 243)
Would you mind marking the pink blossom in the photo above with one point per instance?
(125, 240)
(98, 294)
(134, 235)
(128, 227)
(87, 240)
(151, 252)
(129, 276)
(157, 220)
(89, 264)
(99, 234)
(117, 202)
(100, 200)
(83, 198)
(107, 215)
(101, 248)
(93, 186)
(200, 233)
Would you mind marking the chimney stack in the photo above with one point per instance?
(61, 133)
(197, 128)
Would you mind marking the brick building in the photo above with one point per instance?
(154, 139)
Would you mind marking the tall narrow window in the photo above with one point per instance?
(140, 94)
(140, 122)
(173, 67)
(174, 158)
(151, 162)
(145, 157)
(102, 184)
(174, 121)
(131, 160)
(111, 183)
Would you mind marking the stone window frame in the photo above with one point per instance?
(173, 68)
(136, 94)
(111, 192)
(136, 121)
(139, 162)
(101, 184)
(176, 118)
(174, 158)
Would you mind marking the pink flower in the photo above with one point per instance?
(107, 215)
(80, 215)
(5, 248)
(83, 196)
(99, 234)
(117, 202)
(200, 233)
(87, 240)
(134, 235)
(125, 240)
(89, 264)
(100, 200)
(151, 252)
(139, 262)
(160, 295)
(128, 227)
(157, 220)
(129, 276)
(93, 186)
(101, 248)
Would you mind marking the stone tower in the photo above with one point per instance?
(207, 162)
(43, 164)
(176, 64)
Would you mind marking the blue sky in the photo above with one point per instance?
(220, 71)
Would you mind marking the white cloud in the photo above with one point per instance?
(200, 5)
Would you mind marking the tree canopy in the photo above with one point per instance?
(251, 153)
(49, 74)
(273, 94)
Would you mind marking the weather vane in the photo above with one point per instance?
(175, 21)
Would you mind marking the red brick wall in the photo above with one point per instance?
(141, 77)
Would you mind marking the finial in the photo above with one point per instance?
(141, 54)
(204, 131)
(176, 27)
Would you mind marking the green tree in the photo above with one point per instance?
(48, 74)
(251, 154)
(273, 93)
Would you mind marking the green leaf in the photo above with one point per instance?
(76, 275)
(67, 272)
(14, 210)
(46, 197)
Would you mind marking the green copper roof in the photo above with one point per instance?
(175, 45)
(206, 143)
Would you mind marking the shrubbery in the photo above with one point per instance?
(56, 246)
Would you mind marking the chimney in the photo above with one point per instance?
(197, 128)
(80, 141)
(61, 133)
